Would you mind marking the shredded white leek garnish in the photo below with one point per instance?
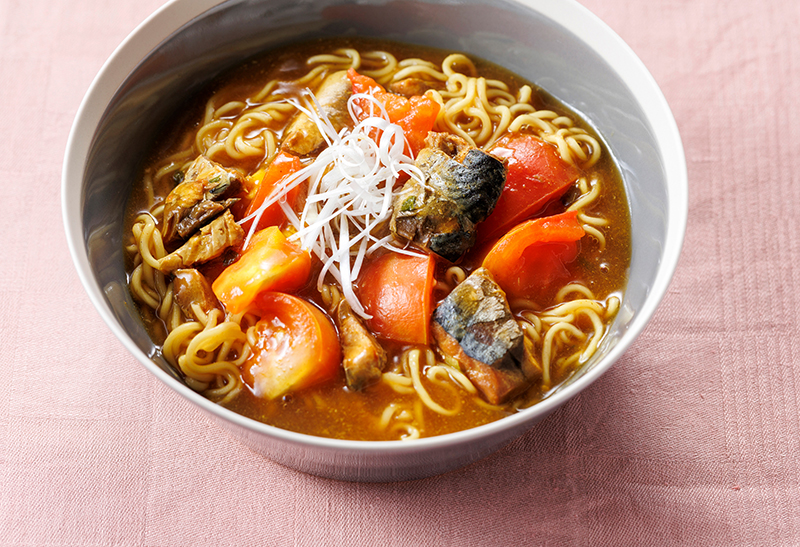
(349, 192)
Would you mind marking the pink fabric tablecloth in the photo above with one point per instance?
(692, 438)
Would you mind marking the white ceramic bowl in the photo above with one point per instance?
(558, 45)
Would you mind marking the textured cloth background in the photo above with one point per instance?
(690, 439)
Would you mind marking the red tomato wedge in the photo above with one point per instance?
(536, 175)
(397, 290)
(282, 166)
(297, 347)
(416, 115)
(532, 256)
(270, 263)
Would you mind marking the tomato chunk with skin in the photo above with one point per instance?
(282, 166)
(533, 255)
(269, 263)
(397, 291)
(296, 348)
(536, 176)
(415, 115)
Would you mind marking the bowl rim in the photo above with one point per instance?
(568, 14)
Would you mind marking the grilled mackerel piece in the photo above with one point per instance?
(409, 87)
(475, 326)
(203, 195)
(363, 357)
(461, 187)
(208, 243)
(193, 289)
(303, 136)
